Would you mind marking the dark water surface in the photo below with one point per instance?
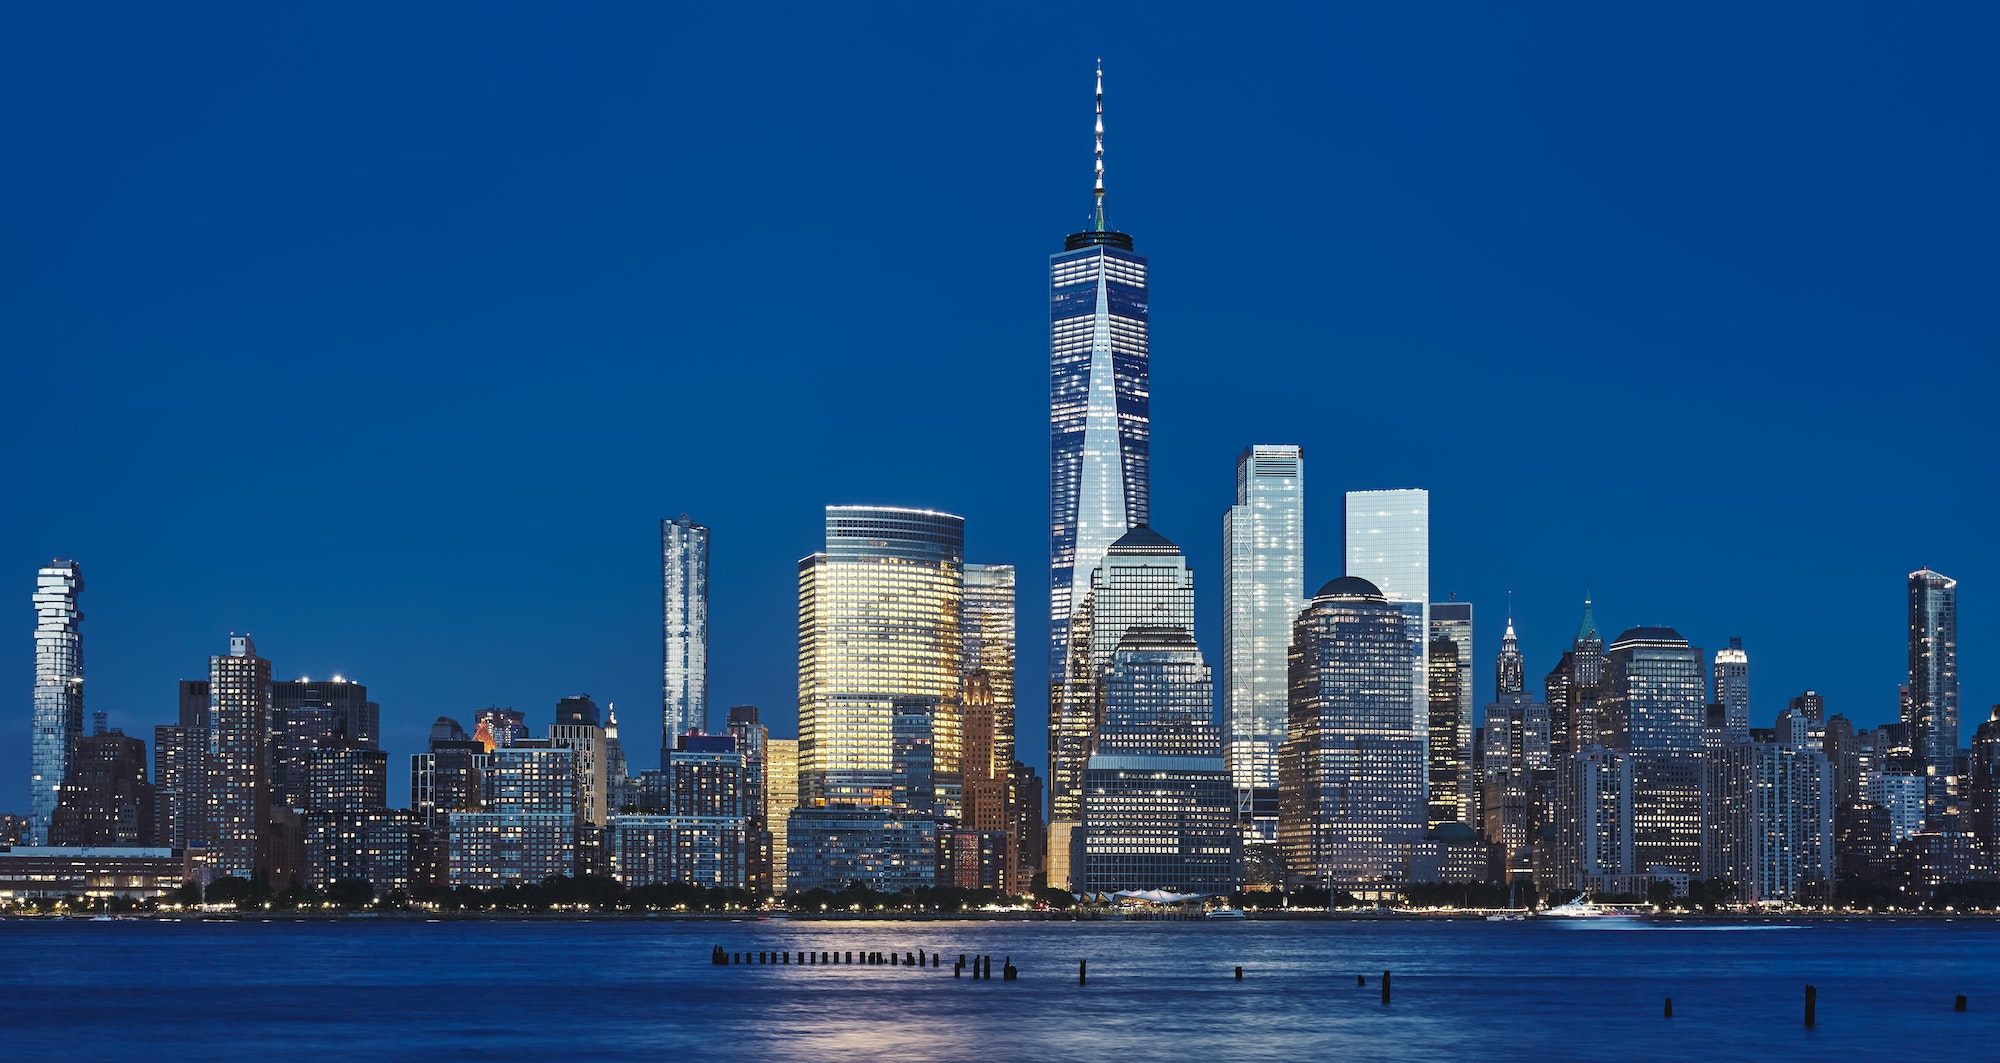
(1463, 991)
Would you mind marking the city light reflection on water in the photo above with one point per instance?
(646, 989)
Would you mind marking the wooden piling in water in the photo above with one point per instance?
(1239, 974)
(1958, 1004)
(1385, 987)
(1082, 970)
(1812, 1003)
(1361, 980)
(1669, 1012)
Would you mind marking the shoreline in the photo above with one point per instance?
(1747, 918)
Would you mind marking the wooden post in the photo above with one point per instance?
(1082, 971)
(1361, 980)
(1959, 1004)
(1812, 1003)
(1239, 974)
(1669, 1012)
(1385, 987)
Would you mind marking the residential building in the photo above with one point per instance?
(526, 830)
(346, 786)
(684, 629)
(1590, 824)
(752, 741)
(880, 848)
(1770, 821)
(1931, 716)
(237, 762)
(180, 776)
(58, 715)
(105, 798)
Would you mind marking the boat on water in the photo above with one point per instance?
(1508, 915)
(1225, 914)
(1583, 909)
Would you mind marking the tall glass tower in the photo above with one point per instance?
(1388, 542)
(1099, 420)
(1732, 690)
(879, 615)
(58, 690)
(1932, 712)
(1451, 621)
(987, 624)
(1263, 589)
(684, 611)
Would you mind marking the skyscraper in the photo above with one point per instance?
(1452, 621)
(1388, 543)
(1932, 719)
(106, 799)
(1654, 703)
(878, 620)
(308, 714)
(576, 728)
(1351, 775)
(1770, 821)
(58, 690)
(1099, 419)
(1158, 811)
(684, 629)
(987, 620)
(1141, 580)
(238, 761)
(781, 796)
(1574, 689)
(1514, 760)
(180, 775)
(1263, 589)
(752, 741)
(1732, 690)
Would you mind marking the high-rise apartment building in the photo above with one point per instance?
(1932, 715)
(58, 719)
(346, 786)
(577, 728)
(1351, 780)
(526, 829)
(1452, 621)
(1099, 429)
(1590, 822)
(879, 615)
(105, 800)
(1983, 782)
(1732, 691)
(781, 795)
(987, 626)
(752, 741)
(180, 774)
(684, 629)
(1263, 589)
(1141, 581)
(448, 777)
(1770, 821)
(237, 762)
(1388, 543)
(309, 714)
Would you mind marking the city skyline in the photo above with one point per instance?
(479, 648)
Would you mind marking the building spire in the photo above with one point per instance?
(1099, 192)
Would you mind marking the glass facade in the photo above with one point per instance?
(1932, 714)
(1452, 621)
(1142, 580)
(1445, 792)
(684, 629)
(1351, 775)
(58, 719)
(781, 795)
(1263, 589)
(987, 625)
(1655, 692)
(1388, 543)
(879, 616)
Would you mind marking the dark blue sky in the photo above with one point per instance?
(389, 335)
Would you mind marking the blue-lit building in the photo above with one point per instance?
(883, 849)
(1099, 452)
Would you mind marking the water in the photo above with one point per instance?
(383, 990)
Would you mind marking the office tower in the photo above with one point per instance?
(346, 784)
(617, 770)
(1142, 580)
(1770, 821)
(1574, 688)
(1653, 706)
(1030, 830)
(576, 727)
(307, 715)
(1263, 589)
(105, 797)
(180, 775)
(984, 782)
(913, 756)
(449, 776)
(752, 740)
(1158, 802)
(526, 829)
(1446, 790)
(1932, 716)
(1388, 543)
(986, 626)
(684, 629)
(1099, 420)
(1732, 690)
(879, 615)
(1452, 620)
(1590, 822)
(1514, 758)
(237, 762)
(58, 721)
(1351, 780)
(1983, 782)
(495, 727)
(781, 795)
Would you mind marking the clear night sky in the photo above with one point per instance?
(388, 336)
